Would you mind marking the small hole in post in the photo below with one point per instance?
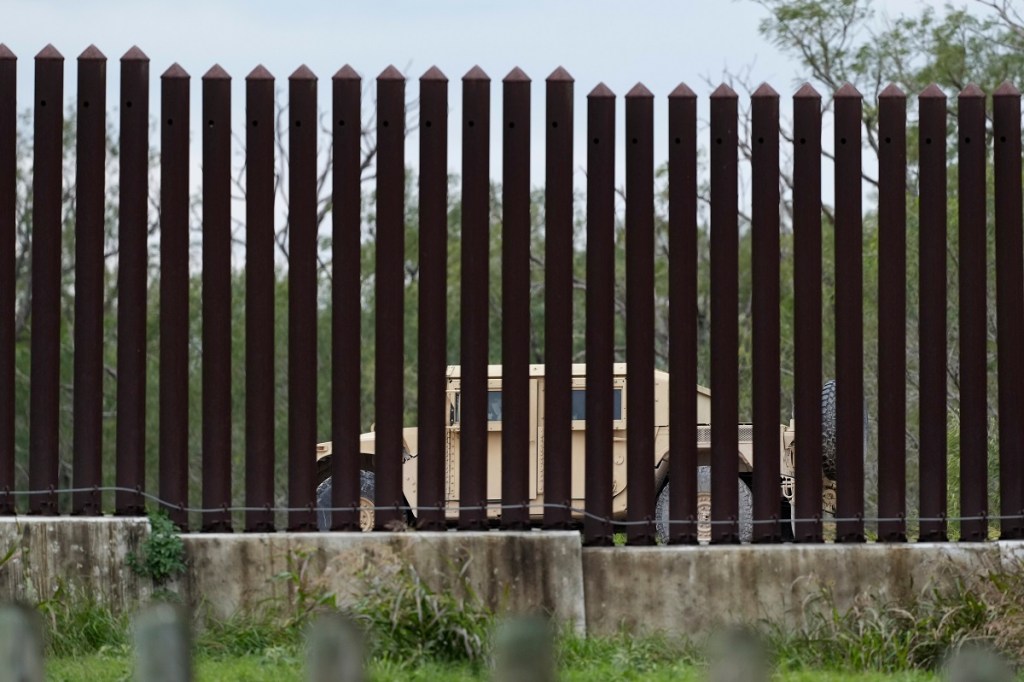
(718, 140)
(927, 140)
(679, 140)
(635, 140)
(298, 124)
(42, 102)
(596, 140)
(888, 140)
(967, 140)
(842, 140)
(210, 123)
(554, 124)
(385, 124)
(255, 123)
(85, 104)
(341, 123)
(1002, 138)
(511, 124)
(128, 104)
(760, 140)
(471, 124)
(803, 140)
(170, 121)
(427, 124)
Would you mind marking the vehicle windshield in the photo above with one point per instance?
(579, 405)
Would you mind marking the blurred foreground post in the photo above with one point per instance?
(524, 651)
(163, 647)
(21, 645)
(335, 650)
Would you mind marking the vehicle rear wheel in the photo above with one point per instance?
(367, 485)
(746, 509)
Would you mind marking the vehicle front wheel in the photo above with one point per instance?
(746, 509)
(367, 484)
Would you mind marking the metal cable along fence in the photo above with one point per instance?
(439, 504)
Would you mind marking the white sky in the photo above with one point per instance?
(660, 43)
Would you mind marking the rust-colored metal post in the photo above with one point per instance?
(44, 405)
(174, 314)
(433, 311)
(345, 321)
(476, 111)
(132, 282)
(8, 199)
(515, 301)
(558, 224)
(682, 320)
(89, 233)
(260, 285)
(390, 280)
(302, 237)
(724, 318)
(973, 337)
(892, 314)
(1009, 307)
(600, 332)
(216, 299)
(766, 325)
(807, 309)
(849, 307)
(932, 313)
(640, 313)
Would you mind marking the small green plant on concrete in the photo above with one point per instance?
(161, 556)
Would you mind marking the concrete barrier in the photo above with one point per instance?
(674, 590)
(693, 590)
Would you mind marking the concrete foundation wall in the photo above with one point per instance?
(675, 590)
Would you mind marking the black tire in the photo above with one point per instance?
(828, 429)
(367, 487)
(746, 506)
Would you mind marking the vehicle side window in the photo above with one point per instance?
(453, 410)
(579, 404)
(494, 406)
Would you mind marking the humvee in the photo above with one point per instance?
(620, 407)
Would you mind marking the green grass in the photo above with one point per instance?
(289, 669)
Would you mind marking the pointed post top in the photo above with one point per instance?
(723, 91)
(434, 74)
(476, 74)
(92, 53)
(1006, 89)
(5, 53)
(682, 91)
(346, 73)
(49, 52)
(848, 91)
(391, 74)
(765, 90)
(517, 75)
(303, 73)
(893, 90)
(601, 91)
(639, 90)
(932, 90)
(560, 75)
(807, 91)
(175, 71)
(216, 73)
(260, 73)
(972, 90)
(134, 54)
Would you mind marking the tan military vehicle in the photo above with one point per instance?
(620, 409)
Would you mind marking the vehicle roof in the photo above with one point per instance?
(578, 370)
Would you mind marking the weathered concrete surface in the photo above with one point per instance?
(84, 556)
(690, 590)
(510, 572)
